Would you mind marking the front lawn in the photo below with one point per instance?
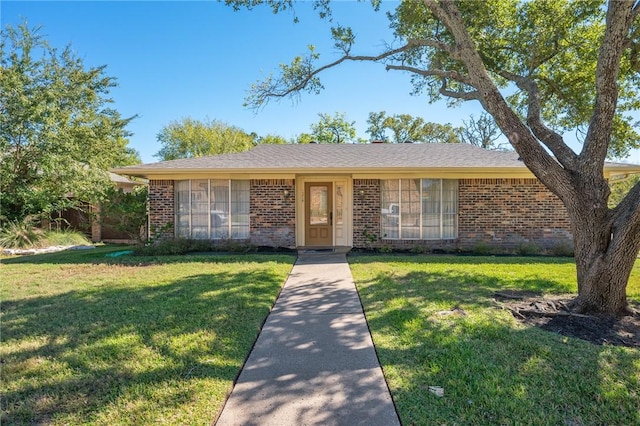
(434, 323)
(91, 339)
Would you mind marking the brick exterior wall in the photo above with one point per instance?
(272, 215)
(161, 209)
(366, 212)
(508, 212)
(502, 213)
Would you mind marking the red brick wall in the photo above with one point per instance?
(503, 213)
(161, 209)
(366, 212)
(508, 212)
(272, 217)
(499, 212)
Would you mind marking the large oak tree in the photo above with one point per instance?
(540, 68)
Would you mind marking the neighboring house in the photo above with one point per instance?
(442, 196)
(87, 220)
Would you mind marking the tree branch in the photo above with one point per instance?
(282, 87)
(550, 138)
(618, 22)
(454, 75)
(462, 95)
(546, 168)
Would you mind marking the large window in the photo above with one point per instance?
(419, 209)
(212, 209)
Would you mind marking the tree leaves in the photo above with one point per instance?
(333, 129)
(58, 135)
(406, 128)
(189, 138)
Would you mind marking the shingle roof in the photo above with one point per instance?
(369, 158)
(351, 156)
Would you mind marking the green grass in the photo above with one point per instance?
(88, 339)
(493, 369)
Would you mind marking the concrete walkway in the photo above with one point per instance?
(314, 361)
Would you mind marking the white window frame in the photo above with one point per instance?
(441, 213)
(230, 234)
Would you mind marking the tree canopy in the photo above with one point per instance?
(482, 132)
(406, 128)
(540, 68)
(333, 129)
(188, 138)
(58, 133)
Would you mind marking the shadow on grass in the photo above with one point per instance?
(459, 259)
(75, 354)
(492, 370)
(101, 255)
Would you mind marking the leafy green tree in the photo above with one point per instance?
(333, 129)
(406, 128)
(482, 132)
(377, 129)
(189, 138)
(125, 211)
(305, 138)
(271, 140)
(540, 68)
(58, 134)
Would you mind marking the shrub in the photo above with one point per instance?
(126, 211)
(527, 249)
(172, 246)
(420, 249)
(20, 234)
(185, 245)
(483, 248)
(234, 246)
(562, 249)
(386, 249)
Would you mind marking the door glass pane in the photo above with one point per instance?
(319, 214)
(339, 204)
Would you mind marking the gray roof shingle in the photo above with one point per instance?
(350, 156)
(364, 158)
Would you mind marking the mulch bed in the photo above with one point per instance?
(552, 313)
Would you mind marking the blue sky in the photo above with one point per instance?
(198, 59)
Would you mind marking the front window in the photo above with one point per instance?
(419, 209)
(212, 209)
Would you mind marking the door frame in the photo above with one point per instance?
(347, 181)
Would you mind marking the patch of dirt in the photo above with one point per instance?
(552, 313)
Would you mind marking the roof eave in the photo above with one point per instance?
(463, 171)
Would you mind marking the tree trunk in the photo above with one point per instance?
(602, 281)
(604, 256)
